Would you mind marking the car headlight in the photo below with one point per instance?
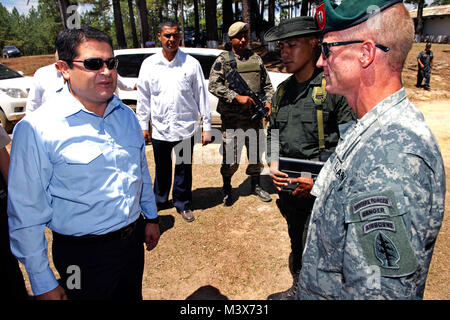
(15, 93)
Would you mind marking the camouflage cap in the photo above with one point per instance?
(333, 17)
(292, 28)
(236, 28)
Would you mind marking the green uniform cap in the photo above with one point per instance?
(236, 28)
(293, 28)
(333, 17)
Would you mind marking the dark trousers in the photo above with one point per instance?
(101, 270)
(297, 213)
(11, 278)
(182, 181)
(423, 74)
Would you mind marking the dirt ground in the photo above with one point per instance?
(241, 252)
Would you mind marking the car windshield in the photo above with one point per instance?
(130, 64)
(10, 47)
(7, 73)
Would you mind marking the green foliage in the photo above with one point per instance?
(33, 33)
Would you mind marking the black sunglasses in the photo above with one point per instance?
(97, 63)
(325, 46)
(169, 35)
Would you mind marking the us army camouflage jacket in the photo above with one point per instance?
(218, 86)
(379, 208)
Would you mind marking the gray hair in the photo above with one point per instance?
(380, 28)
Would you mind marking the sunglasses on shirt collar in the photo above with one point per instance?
(97, 63)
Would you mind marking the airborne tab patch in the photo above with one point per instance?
(379, 225)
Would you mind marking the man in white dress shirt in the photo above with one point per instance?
(172, 90)
(47, 81)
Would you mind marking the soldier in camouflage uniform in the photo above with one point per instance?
(235, 110)
(307, 127)
(380, 197)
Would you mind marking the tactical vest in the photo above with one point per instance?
(250, 71)
(319, 95)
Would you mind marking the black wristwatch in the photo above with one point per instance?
(154, 220)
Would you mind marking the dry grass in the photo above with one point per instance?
(242, 250)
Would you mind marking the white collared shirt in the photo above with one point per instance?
(47, 81)
(173, 93)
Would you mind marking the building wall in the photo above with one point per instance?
(437, 26)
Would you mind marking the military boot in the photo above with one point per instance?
(291, 293)
(226, 189)
(257, 190)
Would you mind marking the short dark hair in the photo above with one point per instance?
(67, 41)
(167, 23)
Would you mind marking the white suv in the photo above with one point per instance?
(14, 88)
(130, 61)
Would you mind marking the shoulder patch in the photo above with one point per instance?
(381, 233)
(217, 66)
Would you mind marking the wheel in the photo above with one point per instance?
(5, 123)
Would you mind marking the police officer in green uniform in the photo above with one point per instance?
(303, 125)
(236, 110)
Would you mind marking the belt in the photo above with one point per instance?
(121, 234)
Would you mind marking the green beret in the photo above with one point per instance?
(293, 28)
(236, 28)
(333, 17)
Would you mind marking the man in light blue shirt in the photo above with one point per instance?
(78, 167)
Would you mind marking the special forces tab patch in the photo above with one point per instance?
(381, 233)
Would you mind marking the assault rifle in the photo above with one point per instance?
(238, 84)
(295, 168)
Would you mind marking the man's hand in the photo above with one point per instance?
(245, 101)
(147, 136)
(56, 294)
(279, 179)
(206, 137)
(151, 235)
(303, 190)
(269, 106)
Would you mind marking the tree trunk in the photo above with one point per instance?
(141, 7)
(118, 23)
(246, 16)
(271, 13)
(236, 10)
(304, 8)
(133, 24)
(175, 10)
(63, 4)
(211, 22)
(227, 7)
(197, 23)
(419, 22)
(182, 22)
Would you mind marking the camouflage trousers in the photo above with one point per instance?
(234, 136)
